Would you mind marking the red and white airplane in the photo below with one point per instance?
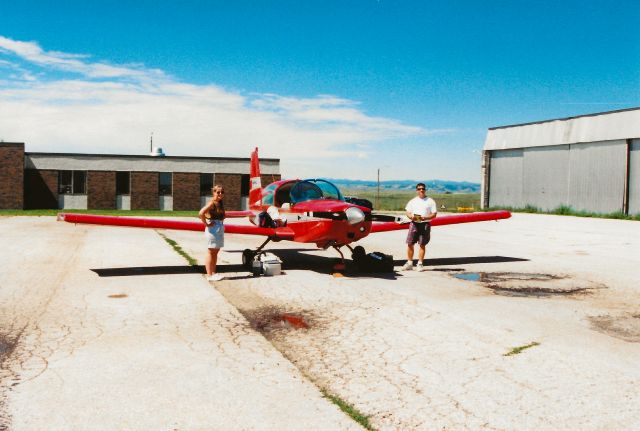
(314, 209)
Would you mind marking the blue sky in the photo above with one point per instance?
(332, 88)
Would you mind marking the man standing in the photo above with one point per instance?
(420, 210)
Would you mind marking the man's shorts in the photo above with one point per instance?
(215, 234)
(419, 233)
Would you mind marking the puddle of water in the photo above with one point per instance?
(469, 276)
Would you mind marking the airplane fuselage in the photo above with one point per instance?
(324, 222)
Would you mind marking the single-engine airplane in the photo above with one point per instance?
(314, 211)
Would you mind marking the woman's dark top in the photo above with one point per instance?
(217, 211)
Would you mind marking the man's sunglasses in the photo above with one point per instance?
(420, 188)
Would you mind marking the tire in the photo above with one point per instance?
(358, 253)
(247, 258)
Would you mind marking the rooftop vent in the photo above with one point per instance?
(157, 152)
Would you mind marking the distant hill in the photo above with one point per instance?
(434, 186)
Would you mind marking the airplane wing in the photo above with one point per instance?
(237, 214)
(151, 223)
(402, 222)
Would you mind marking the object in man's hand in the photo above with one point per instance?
(417, 217)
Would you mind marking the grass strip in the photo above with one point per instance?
(518, 350)
(348, 409)
(132, 213)
(565, 210)
(179, 250)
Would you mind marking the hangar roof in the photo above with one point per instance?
(121, 162)
(601, 126)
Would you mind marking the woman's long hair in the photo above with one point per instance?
(217, 206)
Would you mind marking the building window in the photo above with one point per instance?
(123, 181)
(245, 185)
(206, 183)
(72, 182)
(165, 183)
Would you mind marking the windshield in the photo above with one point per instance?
(308, 190)
(267, 194)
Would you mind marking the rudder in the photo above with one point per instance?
(255, 192)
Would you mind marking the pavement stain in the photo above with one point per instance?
(537, 285)
(624, 326)
(8, 345)
(272, 318)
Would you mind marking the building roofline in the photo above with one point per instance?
(566, 118)
(142, 156)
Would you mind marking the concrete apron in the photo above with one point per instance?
(429, 351)
(411, 350)
(79, 351)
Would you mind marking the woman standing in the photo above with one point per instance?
(212, 215)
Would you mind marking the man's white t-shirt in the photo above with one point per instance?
(422, 206)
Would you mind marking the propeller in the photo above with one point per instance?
(389, 217)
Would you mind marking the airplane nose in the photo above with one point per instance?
(354, 215)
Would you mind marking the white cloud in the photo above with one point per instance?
(99, 107)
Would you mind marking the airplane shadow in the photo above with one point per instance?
(464, 260)
(293, 259)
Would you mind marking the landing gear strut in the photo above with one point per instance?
(340, 266)
(357, 254)
(249, 255)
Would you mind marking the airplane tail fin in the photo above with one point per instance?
(255, 192)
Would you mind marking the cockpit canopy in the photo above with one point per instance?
(313, 189)
(296, 191)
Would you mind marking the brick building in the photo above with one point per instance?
(128, 182)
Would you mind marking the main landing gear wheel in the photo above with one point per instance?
(247, 258)
(358, 253)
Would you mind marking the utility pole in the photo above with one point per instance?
(378, 196)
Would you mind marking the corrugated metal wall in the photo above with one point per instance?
(596, 176)
(546, 176)
(587, 177)
(634, 177)
(505, 178)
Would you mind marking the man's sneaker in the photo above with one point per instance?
(215, 277)
(407, 266)
(419, 267)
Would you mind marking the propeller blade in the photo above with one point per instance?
(387, 217)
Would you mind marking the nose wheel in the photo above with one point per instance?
(357, 253)
(247, 258)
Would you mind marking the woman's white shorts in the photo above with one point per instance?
(215, 234)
